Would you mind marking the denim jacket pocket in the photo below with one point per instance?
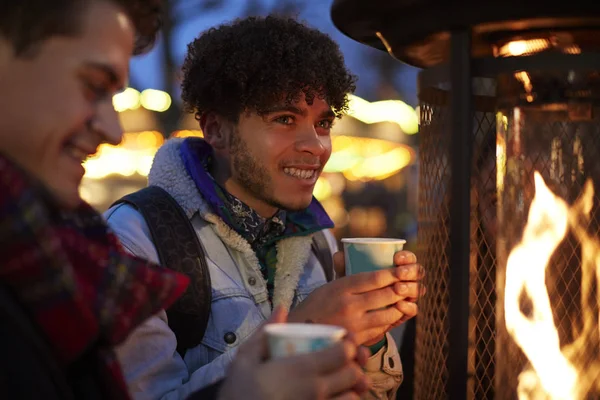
(234, 317)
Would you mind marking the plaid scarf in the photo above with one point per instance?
(72, 277)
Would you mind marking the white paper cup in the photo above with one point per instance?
(370, 254)
(289, 339)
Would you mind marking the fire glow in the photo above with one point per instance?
(573, 371)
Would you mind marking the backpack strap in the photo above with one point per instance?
(179, 249)
(320, 246)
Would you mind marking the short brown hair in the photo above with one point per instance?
(27, 22)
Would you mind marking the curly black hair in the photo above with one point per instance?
(27, 22)
(253, 63)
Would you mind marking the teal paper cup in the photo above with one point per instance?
(289, 339)
(370, 254)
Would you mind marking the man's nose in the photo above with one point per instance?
(309, 141)
(106, 123)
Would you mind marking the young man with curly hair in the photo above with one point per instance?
(69, 293)
(266, 92)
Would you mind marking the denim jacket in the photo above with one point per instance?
(152, 367)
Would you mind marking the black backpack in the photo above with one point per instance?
(179, 249)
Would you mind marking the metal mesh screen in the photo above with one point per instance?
(559, 139)
(433, 237)
(562, 142)
(431, 346)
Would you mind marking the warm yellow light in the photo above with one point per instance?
(342, 160)
(128, 99)
(517, 48)
(523, 47)
(149, 139)
(133, 155)
(187, 133)
(366, 158)
(364, 146)
(381, 166)
(574, 49)
(144, 163)
(155, 100)
(525, 79)
(110, 160)
(322, 189)
(502, 124)
(394, 111)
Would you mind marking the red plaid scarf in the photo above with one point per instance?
(72, 276)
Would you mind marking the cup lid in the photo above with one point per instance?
(304, 330)
(374, 240)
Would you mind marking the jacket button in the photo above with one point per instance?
(230, 338)
(252, 281)
(391, 362)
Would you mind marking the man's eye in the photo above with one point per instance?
(325, 124)
(96, 92)
(285, 119)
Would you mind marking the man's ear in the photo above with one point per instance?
(216, 130)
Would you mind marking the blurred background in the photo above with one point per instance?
(370, 184)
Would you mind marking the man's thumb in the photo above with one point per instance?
(279, 315)
(339, 264)
(256, 348)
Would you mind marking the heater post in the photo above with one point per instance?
(461, 148)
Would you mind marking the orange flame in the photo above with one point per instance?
(554, 373)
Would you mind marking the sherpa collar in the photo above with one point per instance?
(169, 172)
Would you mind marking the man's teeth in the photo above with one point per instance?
(76, 153)
(300, 173)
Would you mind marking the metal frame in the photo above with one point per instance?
(490, 67)
(461, 123)
(459, 73)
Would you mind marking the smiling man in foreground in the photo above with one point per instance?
(68, 292)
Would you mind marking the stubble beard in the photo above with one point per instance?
(250, 174)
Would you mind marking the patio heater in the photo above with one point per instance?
(509, 221)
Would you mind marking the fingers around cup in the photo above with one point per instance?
(339, 264)
(404, 257)
(408, 308)
(410, 272)
(407, 289)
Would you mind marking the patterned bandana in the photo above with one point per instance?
(255, 229)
